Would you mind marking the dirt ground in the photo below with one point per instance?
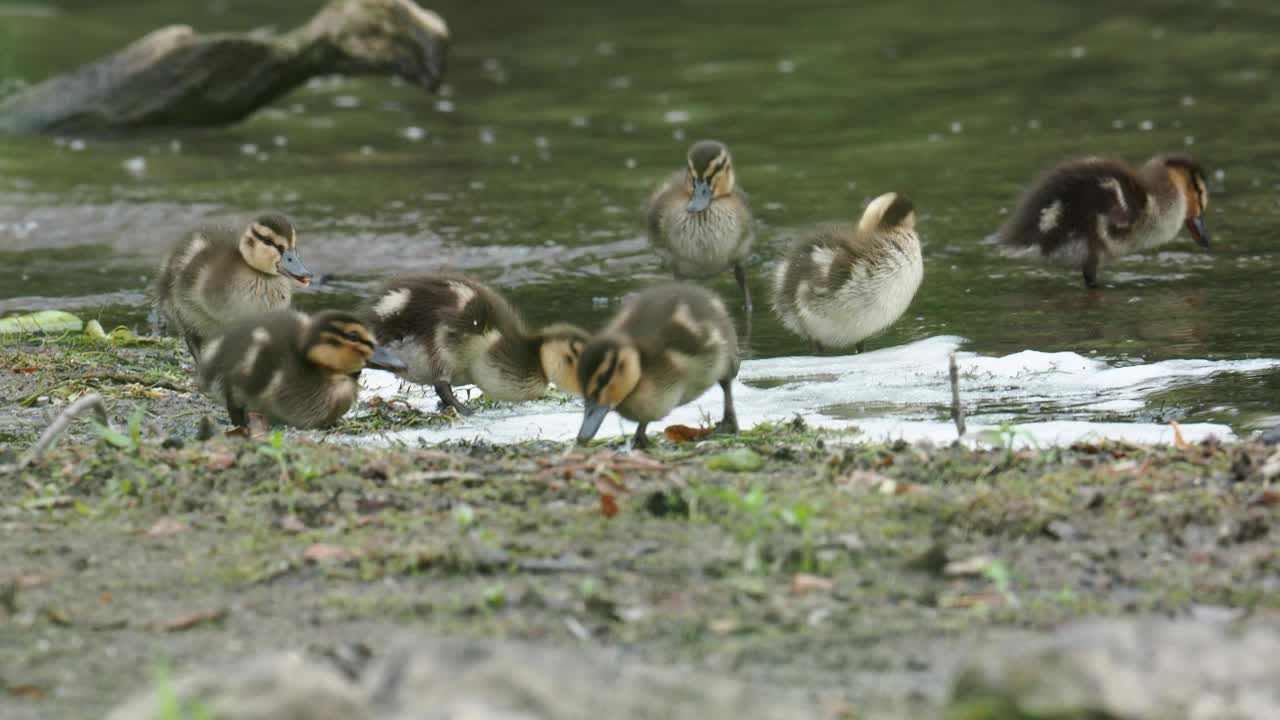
(859, 573)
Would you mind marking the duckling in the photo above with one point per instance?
(699, 219)
(663, 349)
(290, 368)
(451, 330)
(1084, 211)
(841, 284)
(215, 275)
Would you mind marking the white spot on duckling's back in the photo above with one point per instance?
(822, 258)
(683, 317)
(392, 303)
(1050, 216)
(260, 338)
(1112, 185)
(193, 248)
(462, 292)
(210, 350)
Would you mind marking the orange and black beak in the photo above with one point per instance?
(1199, 231)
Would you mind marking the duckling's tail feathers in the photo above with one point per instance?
(890, 211)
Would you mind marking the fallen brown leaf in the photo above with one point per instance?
(1178, 441)
(1266, 498)
(321, 552)
(30, 581)
(186, 622)
(28, 692)
(608, 506)
(608, 486)
(165, 527)
(104, 597)
(684, 433)
(28, 369)
(804, 583)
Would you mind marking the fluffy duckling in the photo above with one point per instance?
(663, 349)
(841, 284)
(451, 330)
(699, 219)
(215, 275)
(1084, 211)
(290, 368)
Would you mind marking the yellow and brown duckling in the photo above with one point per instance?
(452, 330)
(841, 284)
(1083, 212)
(662, 350)
(215, 275)
(291, 368)
(699, 220)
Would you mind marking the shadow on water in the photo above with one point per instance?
(531, 169)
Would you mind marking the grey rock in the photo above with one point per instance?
(431, 679)
(473, 680)
(1145, 669)
(280, 686)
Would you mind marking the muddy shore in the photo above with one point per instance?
(852, 579)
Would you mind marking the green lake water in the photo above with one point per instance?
(532, 168)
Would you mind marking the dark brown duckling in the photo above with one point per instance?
(290, 368)
(452, 330)
(1083, 212)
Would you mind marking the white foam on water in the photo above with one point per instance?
(900, 392)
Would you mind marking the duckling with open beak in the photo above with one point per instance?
(215, 275)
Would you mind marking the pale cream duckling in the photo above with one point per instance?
(663, 349)
(1085, 211)
(452, 330)
(290, 368)
(841, 284)
(215, 275)
(699, 220)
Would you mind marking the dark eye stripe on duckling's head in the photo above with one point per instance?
(275, 230)
(1197, 187)
(608, 371)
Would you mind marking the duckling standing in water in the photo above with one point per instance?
(699, 219)
(663, 349)
(290, 368)
(216, 275)
(1084, 211)
(841, 284)
(451, 330)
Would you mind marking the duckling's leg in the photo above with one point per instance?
(194, 344)
(1091, 268)
(236, 411)
(861, 347)
(740, 274)
(641, 440)
(729, 423)
(445, 392)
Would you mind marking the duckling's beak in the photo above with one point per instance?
(701, 198)
(384, 359)
(1199, 231)
(292, 267)
(425, 63)
(593, 414)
